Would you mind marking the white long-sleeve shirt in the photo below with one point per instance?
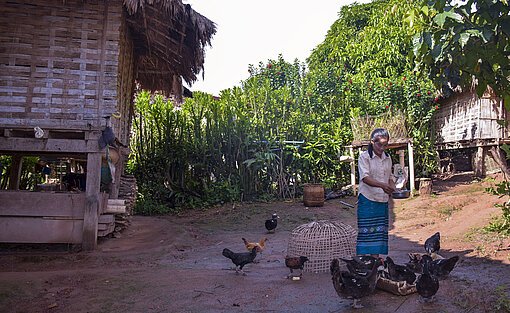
(379, 169)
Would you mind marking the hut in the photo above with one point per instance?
(468, 134)
(68, 74)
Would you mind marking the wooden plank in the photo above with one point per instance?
(116, 201)
(116, 209)
(26, 203)
(107, 231)
(92, 202)
(39, 230)
(104, 226)
(48, 145)
(106, 218)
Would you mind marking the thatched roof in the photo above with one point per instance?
(169, 40)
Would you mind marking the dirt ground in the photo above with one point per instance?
(174, 263)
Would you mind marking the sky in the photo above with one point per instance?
(249, 32)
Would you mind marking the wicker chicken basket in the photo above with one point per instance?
(322, 241)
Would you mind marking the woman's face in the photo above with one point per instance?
(380, 144)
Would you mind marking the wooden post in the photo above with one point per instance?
(425, 186)
(15, 173)
(401, 157)
(90, 218)
(353, 170)
(479, 161)
(500, 160)
(411, 167)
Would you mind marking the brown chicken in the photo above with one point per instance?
(294, 263)
(260, 245)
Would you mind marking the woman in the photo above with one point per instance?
(375, 187)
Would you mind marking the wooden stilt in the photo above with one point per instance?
(15, 173)
(90, 218)
(479, 161)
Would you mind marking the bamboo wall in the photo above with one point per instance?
(62, 67)
(466, 117)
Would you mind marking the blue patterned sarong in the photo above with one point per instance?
(372, 227)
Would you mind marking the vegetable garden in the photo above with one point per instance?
(287, 122)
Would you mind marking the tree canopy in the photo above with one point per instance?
(463, 44)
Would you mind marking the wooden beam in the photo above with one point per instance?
(15, 173)
(353, 170)
(48, 145)
(27, 203)
(411, 167)
(38, 230)
(92, 202)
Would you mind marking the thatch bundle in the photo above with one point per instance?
(169, 40)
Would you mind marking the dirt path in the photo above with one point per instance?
(174, 264)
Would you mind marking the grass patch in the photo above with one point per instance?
(448, 210)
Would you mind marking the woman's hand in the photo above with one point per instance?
(388, 188)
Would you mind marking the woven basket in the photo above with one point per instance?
(321, 242)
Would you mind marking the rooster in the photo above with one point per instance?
(240, 259)
(294, 263)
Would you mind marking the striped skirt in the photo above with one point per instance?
(372, 227)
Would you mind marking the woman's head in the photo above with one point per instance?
(379, 140)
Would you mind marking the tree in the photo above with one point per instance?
(463, 42)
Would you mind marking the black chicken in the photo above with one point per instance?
(352, 285)
(426, 284)
(440, 268)
(272, 223)
(240, 259)
(107, 138)
(294, 263)
(399, 272)
(432, 244)
(414, 263)
(361, 265)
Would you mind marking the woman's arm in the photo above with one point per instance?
(388, 188)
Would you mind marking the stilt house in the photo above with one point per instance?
(68, 69)
(468, 135)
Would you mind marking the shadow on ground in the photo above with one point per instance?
(174, 263)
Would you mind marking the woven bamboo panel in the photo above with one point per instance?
(59, 63)
(122, 118)
(467, 117)
(394, 123)
(322, 241)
